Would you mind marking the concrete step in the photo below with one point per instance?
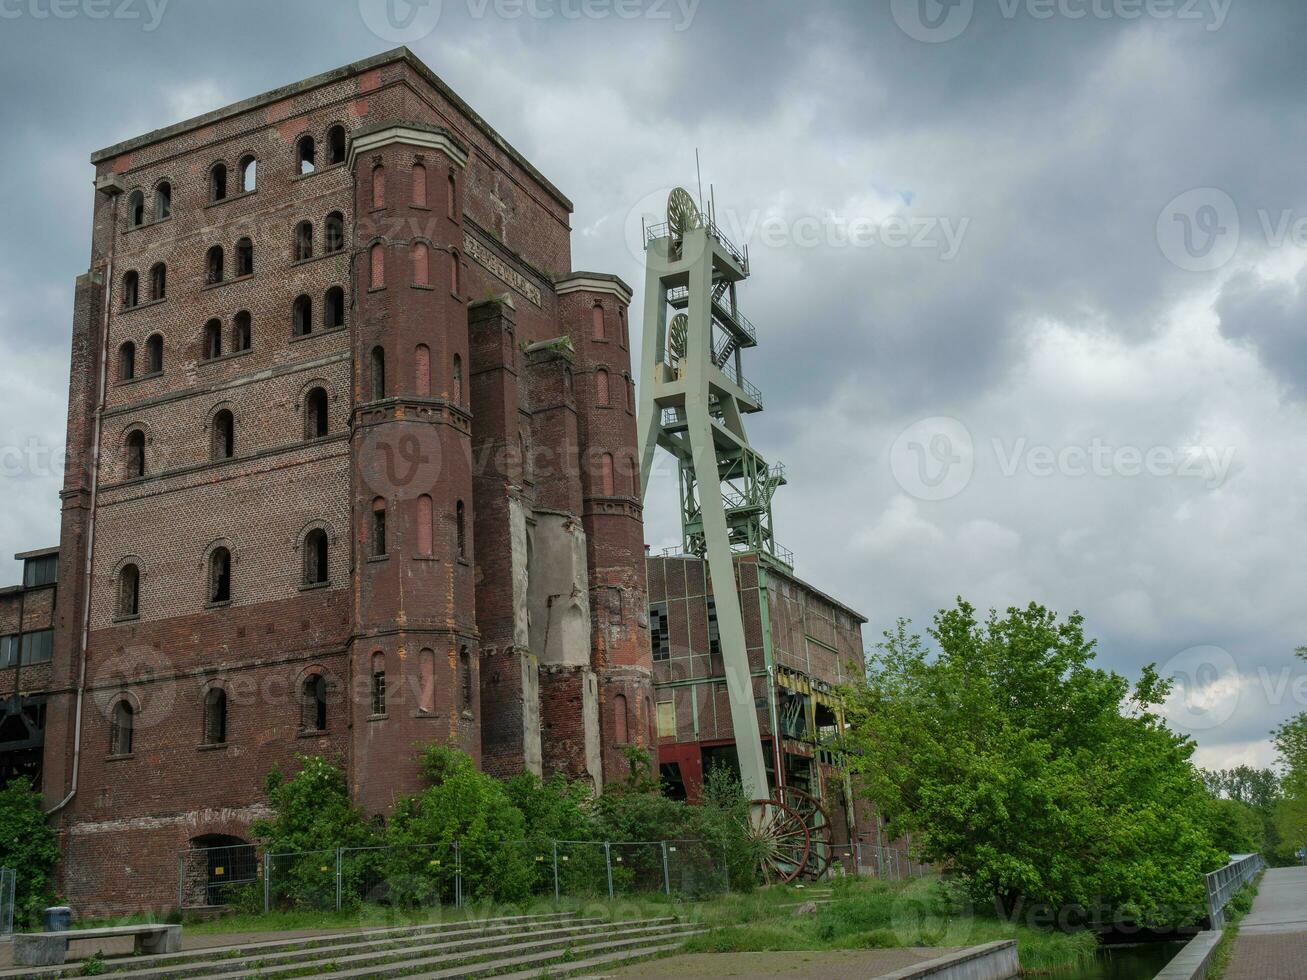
(608, 960)
(566, 960)
(397, 961)
(511, 955)
(454, 929)
(355, 952)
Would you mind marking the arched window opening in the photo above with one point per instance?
(302, 316)
(306, 154)
(213, 271)
(378, 527)
(131, 290)
(621, 723)
(303, 241)
(427, 680)
(158, 281)
(622, 328)
(313, 704)
(426, 527)
(335, 145)
(378, 683)
(378, 365)
(457, 387)
(218, 182)
(422, 370)
(213, 339)
(244, 257)
(419, 186)
(597, 322)
(120, 728)
(334, 239)
(249, 172)
(460, 522)
(129, 591)
(634, 470)
(378, 187)
(136, 209)
(220, 576)
(135, 454)
(454, 274)
(215, 716)
(163, 201)
(242, 334)
(376, 266)
(316, 569)
(154, 354)
(451, 198)
(224, 435)
(421, 256)
(334, 308)
(606, 488)
(126, 361)
(315, 414)
(465, 673)
(630, 394)
(602, 394)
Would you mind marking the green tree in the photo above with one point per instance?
(28, 845)
(1236, 828)
(1030, 772)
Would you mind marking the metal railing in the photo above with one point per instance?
(663, 230)
(1224, 883)
(721, 312)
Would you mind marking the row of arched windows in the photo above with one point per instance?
(333, 237)
(419, 189)
(162, 204)
(222, 434)
(215, 263)
(313, 704)
(158, 286)
(315, 568)
(247, 178)
(419, 253)
(421, 374)
(599, 326)
(604, 393)
(612, 483)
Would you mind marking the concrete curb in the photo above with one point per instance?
(1191, 963)
(993, 961)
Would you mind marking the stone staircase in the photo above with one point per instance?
(554, 945)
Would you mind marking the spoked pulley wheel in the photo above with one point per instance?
(820, 831)
(781, 839)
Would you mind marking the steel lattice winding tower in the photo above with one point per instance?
(693, 400)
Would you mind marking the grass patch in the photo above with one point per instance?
(1240, 905)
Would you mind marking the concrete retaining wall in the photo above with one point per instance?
(993, 961)
(1191, 963)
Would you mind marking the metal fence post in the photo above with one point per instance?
(267, 882)
(557, 897)
(667, 875)
(458, 876)
(726, 867)
(608, 864)
(340, 851)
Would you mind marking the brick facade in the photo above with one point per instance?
(483, 581)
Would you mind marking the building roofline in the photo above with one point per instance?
(326, 78)
(38, 553)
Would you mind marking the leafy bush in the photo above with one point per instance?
(28, 845)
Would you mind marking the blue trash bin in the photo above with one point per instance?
(57, 918)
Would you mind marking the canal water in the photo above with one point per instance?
(1142, 962)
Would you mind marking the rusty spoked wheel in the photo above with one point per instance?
(820, 832)
(781, 840)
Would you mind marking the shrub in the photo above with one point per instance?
(27, 844)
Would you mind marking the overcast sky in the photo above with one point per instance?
(1029, 276)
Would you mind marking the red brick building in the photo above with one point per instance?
(352, 468)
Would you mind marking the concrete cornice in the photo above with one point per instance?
(594, 282)
(410, 134)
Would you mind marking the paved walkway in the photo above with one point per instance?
(1272, 942)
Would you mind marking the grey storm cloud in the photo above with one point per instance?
(1047, 147)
